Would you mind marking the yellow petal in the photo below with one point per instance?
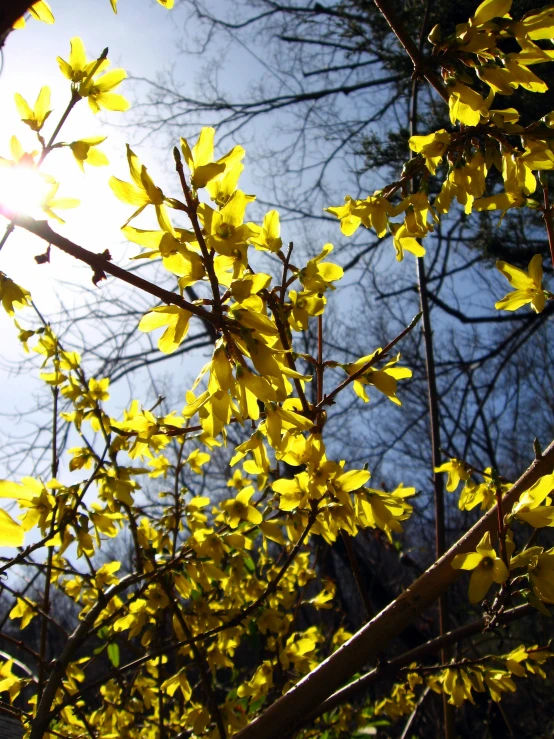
(490, 9)
(128, 193)
(11, 533)
(479, 584)
(468, 561)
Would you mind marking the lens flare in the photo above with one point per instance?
(23, 189)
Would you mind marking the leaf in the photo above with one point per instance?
(113, 654)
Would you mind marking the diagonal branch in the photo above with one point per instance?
(101, 263)
(286, 713)
(421, 65)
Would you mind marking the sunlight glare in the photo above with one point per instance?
(23, 189)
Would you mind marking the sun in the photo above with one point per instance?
(23, 189)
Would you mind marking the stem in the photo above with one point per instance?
(11, 12)
(328, 400)
(501, 528)
(48, 573)
(547, 214)
(355, 567)
(9, 230)
(177, 495)
(434, 415)
(281, 328)
(201, 663)
(161, 723)
(192, 205)
(286, 262)
(75, 97)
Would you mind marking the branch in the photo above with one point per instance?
(285, 714)
(12, 11)
(391, 669)
(101, 263)
(421, 65)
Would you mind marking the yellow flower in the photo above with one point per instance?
(12, 295)
(260, 684)
(385, 379)
(141, 191)
(77, 69)
(541, 574)
(98, 389)
(166, 3)
(267, 237)
(466, 105)
(84, 150)
(49, 200)
(487, 568)
(372, 212)
(196, 459)
(177, 321)
(490, 9)
(200, 161)
(317, 276)
(12, 534)
(528, 286)
(239, 509)
(34, 117)
(457, 684)
(225, 230)
(98, 90)
(26, 610)
(349, 222)
(540, 567)
(529, 508)
(404, 240)
(457, 470)
(41, 11)
(431, 147)
(302, 306)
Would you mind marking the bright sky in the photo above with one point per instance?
(135, 39)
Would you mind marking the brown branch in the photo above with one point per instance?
(59, 666)
(421, 65)
(547, 214)
(328, 399)
(12, 11)
(283, 715)
(192, 206)
(101, 263)
(355, 567)
(391, 669)
(201, 662)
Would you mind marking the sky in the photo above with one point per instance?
(138, 39)
(134, 39)
(143, 38)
